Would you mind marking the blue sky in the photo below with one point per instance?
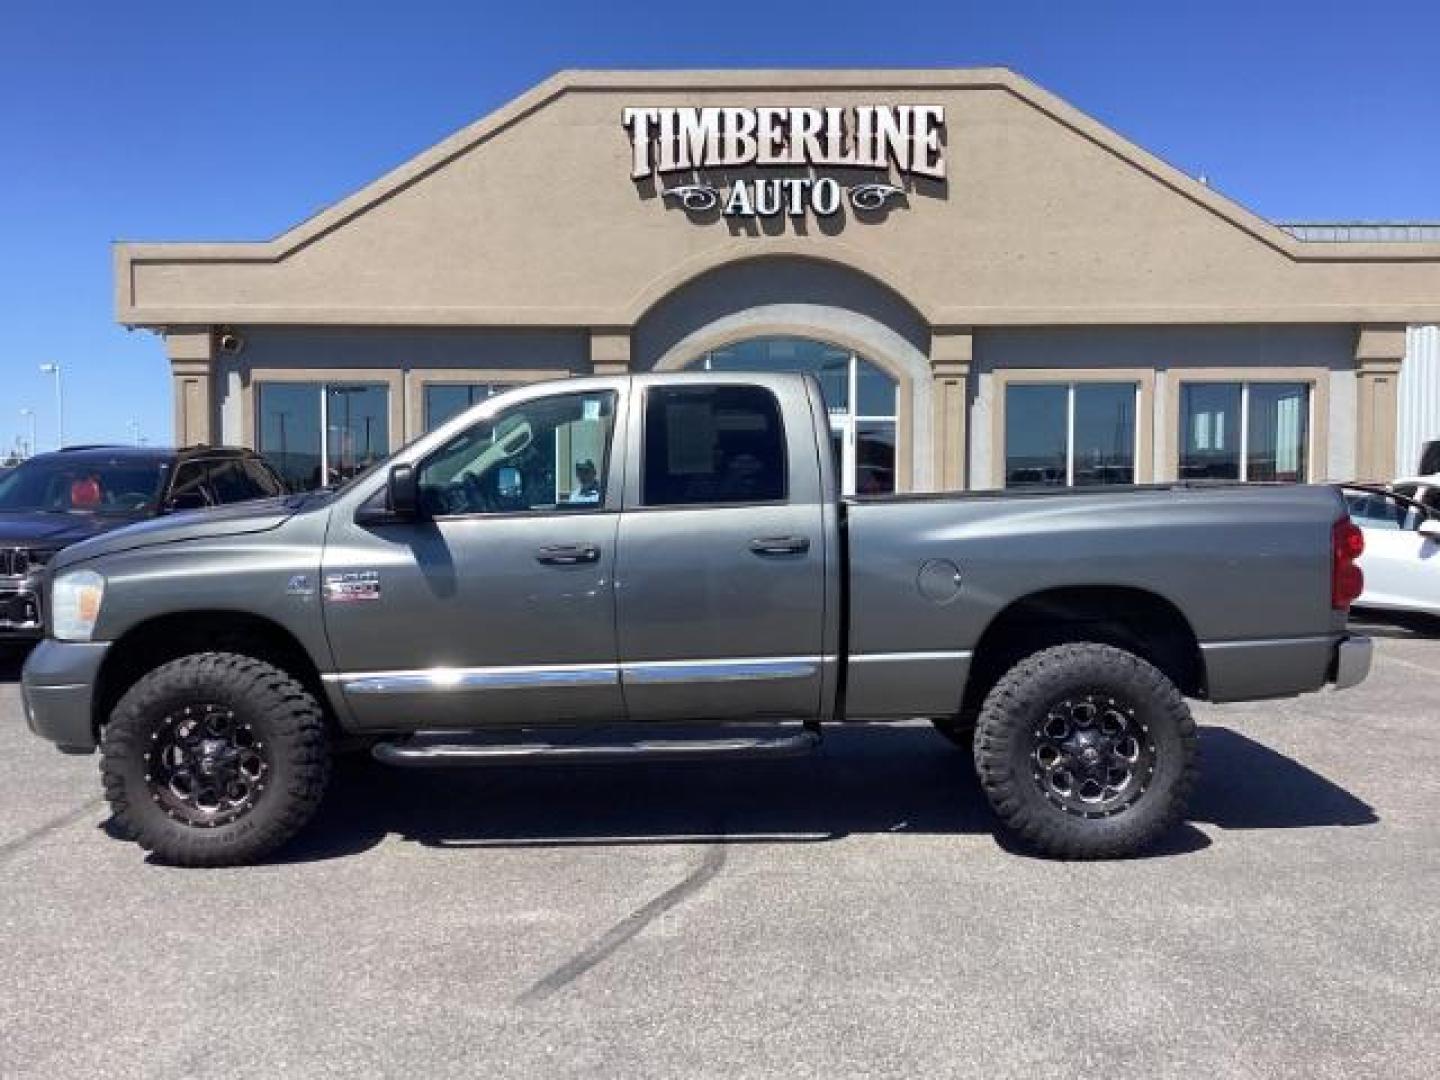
(201, 121)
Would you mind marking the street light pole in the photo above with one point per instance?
(29, 414)
(134, 426)
(54, 369)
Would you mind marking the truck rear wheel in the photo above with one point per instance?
(1086, 752)
(214, 759)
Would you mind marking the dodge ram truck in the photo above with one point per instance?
(660, 556)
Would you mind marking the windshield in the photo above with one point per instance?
(94, 485)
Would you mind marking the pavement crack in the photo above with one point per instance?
(14, 847)
(597, 952)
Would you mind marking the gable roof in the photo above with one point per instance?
(1300, 248)
(160, 284)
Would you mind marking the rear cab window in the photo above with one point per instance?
(720, 444)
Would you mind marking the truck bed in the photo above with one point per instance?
(1247, 565)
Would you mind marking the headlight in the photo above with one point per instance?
(75, 604)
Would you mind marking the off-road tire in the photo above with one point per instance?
(278, 710)
(1005, 751)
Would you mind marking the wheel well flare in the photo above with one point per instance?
(156, 641)
(1135, 620)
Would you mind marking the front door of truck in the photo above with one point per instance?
(720, 583)
(496, 604)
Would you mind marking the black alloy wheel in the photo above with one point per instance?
(1093, 756)
(206, 767)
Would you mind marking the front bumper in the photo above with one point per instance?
(1352, 661)
(57, 689)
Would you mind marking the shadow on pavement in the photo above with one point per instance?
(871, 779)
(12, 659)
(1246, 785)
(1401, 625)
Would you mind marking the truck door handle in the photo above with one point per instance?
(568, 554)
(780, 545)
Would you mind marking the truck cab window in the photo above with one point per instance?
(546, 454)
(713, 444)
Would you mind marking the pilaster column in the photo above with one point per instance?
(191, 351)
(951, 349)
(610, 350)
(1379, 353)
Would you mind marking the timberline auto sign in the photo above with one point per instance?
(666, 141)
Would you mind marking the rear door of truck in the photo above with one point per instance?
(722, 583)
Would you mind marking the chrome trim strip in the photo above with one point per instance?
(1262, 643)
(911, 657)
(442, 680)
(750, 669)
(642, 673)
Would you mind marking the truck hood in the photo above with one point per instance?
(260, 515)
(49, 531)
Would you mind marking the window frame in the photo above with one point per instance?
(844, 422)
(322, 379)
(1243, 423)
(177, 474)
(1317, 378)
(255, 461)
(425, 425)
(1143, 379)
(609, 502)
(642, 414)
(416, 379)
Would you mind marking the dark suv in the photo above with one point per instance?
(54, 500)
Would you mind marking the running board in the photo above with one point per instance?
(436, 749)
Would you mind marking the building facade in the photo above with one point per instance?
(994, 289)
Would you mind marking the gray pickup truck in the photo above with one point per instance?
(612, 568)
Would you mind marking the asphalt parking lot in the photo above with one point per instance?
(847, 914)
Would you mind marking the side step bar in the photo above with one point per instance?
(452, 749)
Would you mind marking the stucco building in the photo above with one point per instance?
(995, 288)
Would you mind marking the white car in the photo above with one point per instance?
(1401, 523)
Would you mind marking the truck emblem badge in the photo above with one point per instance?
(352, 585)
(299, 585)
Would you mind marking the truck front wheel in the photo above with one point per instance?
(214, 759)
(1086, 752)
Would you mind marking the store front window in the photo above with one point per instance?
(1070, 434)
(345, 426)
(860, 397)
(1244, 431)
(446, 400)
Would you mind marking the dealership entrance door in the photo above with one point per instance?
(860, 397)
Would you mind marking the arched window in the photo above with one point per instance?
(860, 397)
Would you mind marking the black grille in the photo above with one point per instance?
(14, 562)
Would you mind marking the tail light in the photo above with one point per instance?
(1347, 582)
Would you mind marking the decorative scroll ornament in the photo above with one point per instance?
(873, 196)
(697, 197)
